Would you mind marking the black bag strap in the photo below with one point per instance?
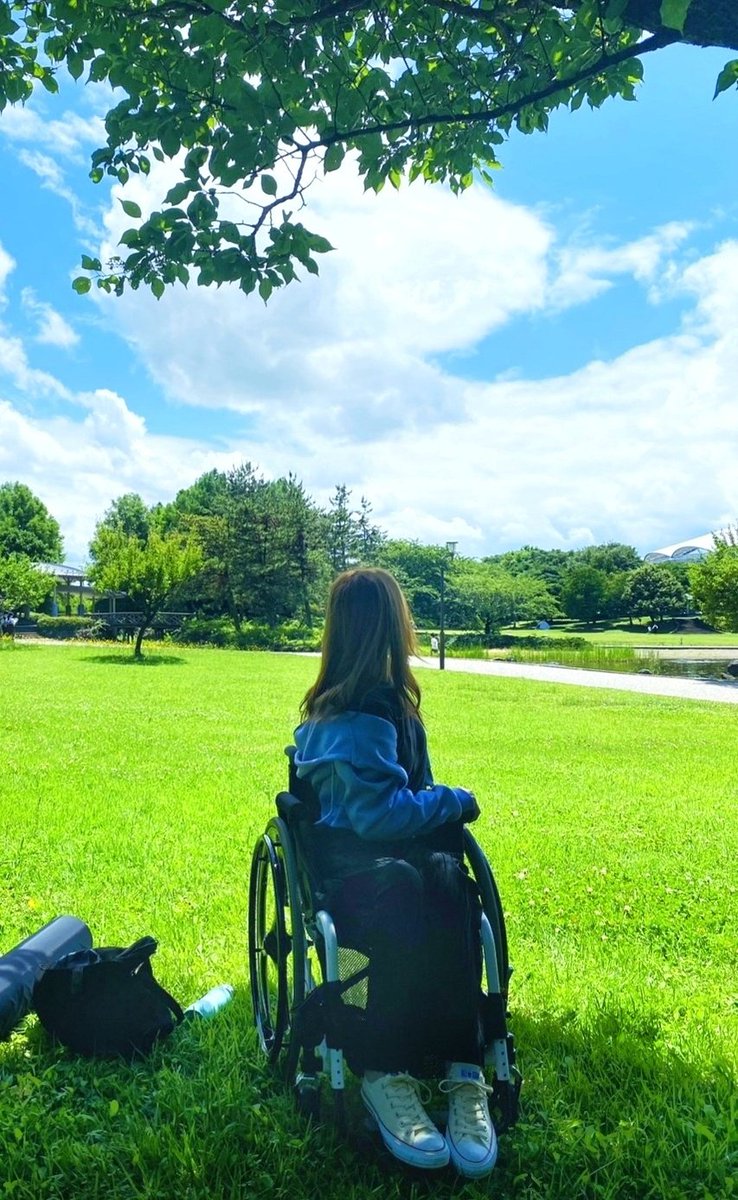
(343, 985)
(314, 1016)
(140, 952)
(137, 955)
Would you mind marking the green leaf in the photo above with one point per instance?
(265, 289)
(727, 77)
(674, 13)
(334, 156)
(178, 193)
(91, 264)
(75, 65)
(157, 287)
(81, 285)
(319, 245)
(130, 208)
(269, 185)
(169, 141)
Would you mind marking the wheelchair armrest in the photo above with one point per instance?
(293, 811)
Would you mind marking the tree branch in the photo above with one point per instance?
(604, 62)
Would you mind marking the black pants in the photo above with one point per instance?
(417, 919)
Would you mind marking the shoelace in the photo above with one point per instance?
(406, 1098)
(471, 1115)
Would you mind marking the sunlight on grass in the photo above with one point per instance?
(132, 798)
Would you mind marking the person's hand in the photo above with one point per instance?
(471, 809)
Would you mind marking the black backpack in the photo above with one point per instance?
(106, 1002)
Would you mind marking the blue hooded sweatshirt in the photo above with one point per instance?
(350, 761)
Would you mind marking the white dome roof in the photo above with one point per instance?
(691, 550)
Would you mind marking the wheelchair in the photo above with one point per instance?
(303, 982)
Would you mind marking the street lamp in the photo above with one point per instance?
(450, 549)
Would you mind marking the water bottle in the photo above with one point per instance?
(211, 1002)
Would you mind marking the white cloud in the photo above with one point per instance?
(7, 266)
(415, 274)
(14, 363)
(53, 330)
(339, 380)
(53, 180)
(69, 136)
(78, 467)
(585, 271)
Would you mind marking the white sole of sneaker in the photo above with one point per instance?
(468, 1167)
(427, 1160)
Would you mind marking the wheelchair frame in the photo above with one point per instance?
(293, 947)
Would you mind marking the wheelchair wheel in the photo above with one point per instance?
(491, 904)
(276, 940)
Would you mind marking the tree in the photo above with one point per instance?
(548, 565)
(148, 572)
(26, 526)
(253, 100)
(613, 603)
(341, 532)
(209, 510)
(21, 585)
(654, 592)
(715, 583)
(129, 515)
(417, 569)
(611, 557)
(285, 561)
(583, 592)
(498, 597)
(369, 537)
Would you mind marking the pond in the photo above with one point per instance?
(691, 663)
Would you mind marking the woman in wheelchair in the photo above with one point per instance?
(397, 886)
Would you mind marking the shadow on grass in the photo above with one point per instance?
(608, 1111)
(148, 660)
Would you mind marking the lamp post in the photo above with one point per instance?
(450, 549)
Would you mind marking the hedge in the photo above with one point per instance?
(62, 627)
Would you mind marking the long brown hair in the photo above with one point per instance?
(368, 639)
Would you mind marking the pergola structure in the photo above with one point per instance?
(69, 577)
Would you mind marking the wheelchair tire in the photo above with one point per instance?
(491, 903)
(276, 941)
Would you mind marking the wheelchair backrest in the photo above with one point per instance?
(300, 790)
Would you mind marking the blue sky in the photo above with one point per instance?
(552, 362)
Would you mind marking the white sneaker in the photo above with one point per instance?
(407, 1131)
(470, 1134)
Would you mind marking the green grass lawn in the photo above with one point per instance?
(624, 635)
(131, 795)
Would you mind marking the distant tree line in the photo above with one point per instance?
(235, 545)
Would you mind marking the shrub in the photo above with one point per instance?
(506, 641)
(254, 635)
(62, 627)
(198, 631)
(97, 630)
(465, 641)
(290, 635)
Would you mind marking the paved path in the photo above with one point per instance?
(653, 685)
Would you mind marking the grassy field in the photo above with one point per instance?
(623, 635)
(131, 795)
